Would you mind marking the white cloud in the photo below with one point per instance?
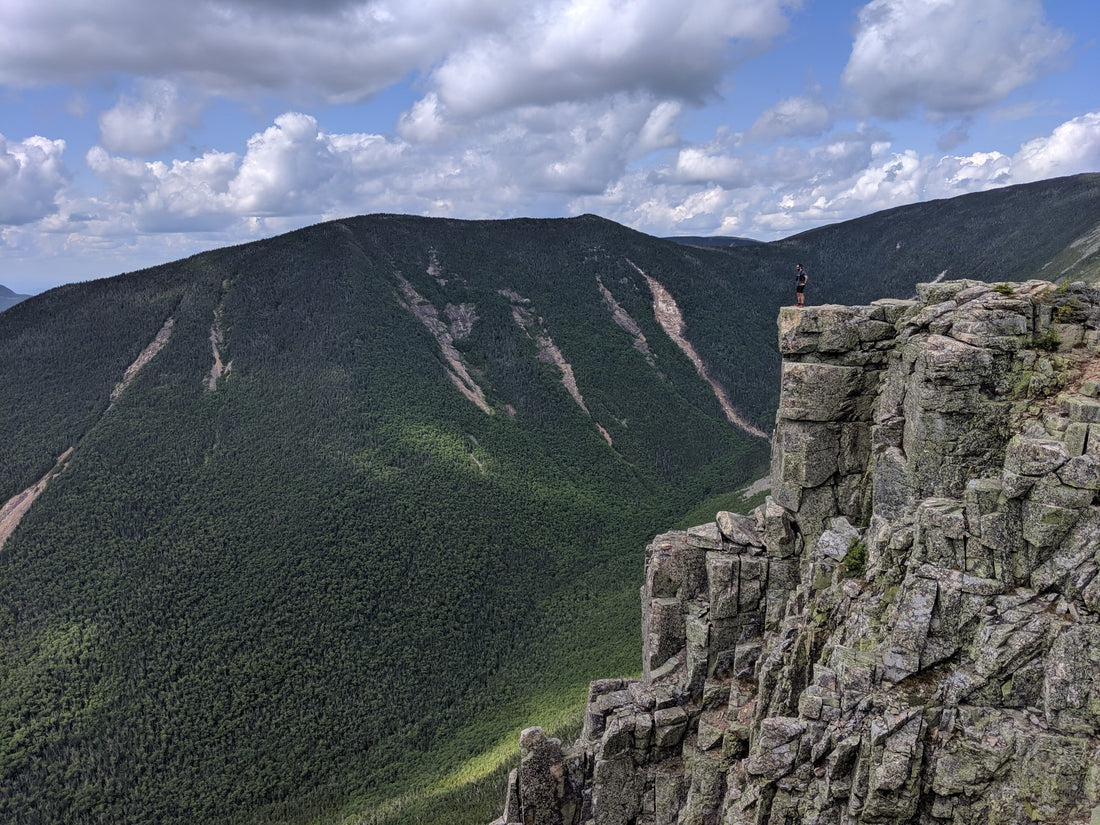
(284, 168)
(534, 157)
(290, 169)
(1072, 147)
(773, 194)
(696, 164)
(150, 123)
(128, 179)
(948, 56)
(482, 56)
(660, 130)
(585, 49)
(32, 175)
(792, 117)
(581, 147)
(341, 51)
(424, 122)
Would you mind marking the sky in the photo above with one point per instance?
(136, 132)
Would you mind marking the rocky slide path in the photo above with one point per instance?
(668, 315)
(13, 510)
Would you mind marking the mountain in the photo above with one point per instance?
(907, 630)
(8, 298)
(307, 528)
(315, 509)
(718, 241)
(1048, 230)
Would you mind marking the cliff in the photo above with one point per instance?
(907, 630)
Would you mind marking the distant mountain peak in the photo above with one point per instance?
(9, 298)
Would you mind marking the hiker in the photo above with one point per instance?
(800, 279)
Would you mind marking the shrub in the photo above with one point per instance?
(855, 560)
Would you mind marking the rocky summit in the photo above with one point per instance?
(908, 630)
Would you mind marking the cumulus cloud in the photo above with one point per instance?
(482, 56)
(340, 51)
(948, 57)
(584, 49)
(695, 164)
(726, 187)
(580, 147)
(292, 168)
(792, 117)
(32, 174)
(425, 121)
(534, 157)
(149, 123)
(1073, 146)
(660, 130)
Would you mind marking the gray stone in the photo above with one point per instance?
(937, 292)
(669, 791)
(955, 679)
(543, 790)
(1081, 471)
(1075, 438)
(912, 616)
(1035, 456)
(1071, 687)
(705, 537)
(1080, 408)
(741, 530)
(780, 537)
(835, 542)
(892, 310)
(953, 363)
(723, 580)
(773, 754)
(669, 726)
(616, 794)
(711, 731)
(824, 328)
(893, 483)
(1044, 525)
(819, 392)
(1050, 490)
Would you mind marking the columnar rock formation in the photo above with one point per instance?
(907, 631)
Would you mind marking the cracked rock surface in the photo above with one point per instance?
(908, 630)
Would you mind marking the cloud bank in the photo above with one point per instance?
(538, 107)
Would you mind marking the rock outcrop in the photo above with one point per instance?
(908, 630)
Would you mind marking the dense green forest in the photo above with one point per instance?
(326, 586)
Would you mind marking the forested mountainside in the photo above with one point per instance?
(1049, 230)
(302, 526)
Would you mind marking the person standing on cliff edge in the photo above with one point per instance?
(800, 278)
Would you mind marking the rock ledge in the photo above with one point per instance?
(908, 630)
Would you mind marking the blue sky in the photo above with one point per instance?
(141, 131)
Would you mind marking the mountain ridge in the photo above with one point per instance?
(9, 298)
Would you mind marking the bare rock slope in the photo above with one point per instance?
(907, 630)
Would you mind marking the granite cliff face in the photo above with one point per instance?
(907, 631)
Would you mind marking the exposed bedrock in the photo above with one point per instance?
(907, 630)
